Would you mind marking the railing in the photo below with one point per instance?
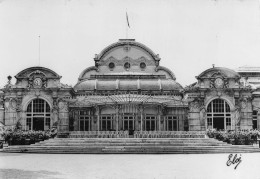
(169, 134)
(99, 134)
(137, 134)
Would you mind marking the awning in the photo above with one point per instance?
(88, 101)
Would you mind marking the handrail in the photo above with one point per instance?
(138, 134)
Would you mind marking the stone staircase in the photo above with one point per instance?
(132, 146)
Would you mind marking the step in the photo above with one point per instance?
(131, 145)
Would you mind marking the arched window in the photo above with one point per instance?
(218, 115)
(38, 115)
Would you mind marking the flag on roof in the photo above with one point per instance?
(127, 20)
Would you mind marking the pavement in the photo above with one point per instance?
(129, 166)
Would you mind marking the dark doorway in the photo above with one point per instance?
(128, 125)
(38, 124)
(254, 124)
(172, 125)
(218, 123)
(150, 125)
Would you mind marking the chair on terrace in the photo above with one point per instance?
(126, 134)
(137, 134)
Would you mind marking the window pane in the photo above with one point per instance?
(81, 125)
(48, 122)
(170, 126)
(87, 125)
(109, 125)
(29, 108)
(103, 127)
(28, 123)
(38, 107)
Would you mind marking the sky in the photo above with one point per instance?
(188, 35)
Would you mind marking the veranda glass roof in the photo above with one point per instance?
(88, 101)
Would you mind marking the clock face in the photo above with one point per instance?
(37, 82)
(219, 83)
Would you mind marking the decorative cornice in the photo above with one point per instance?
(36, 70)
(167, 70)
(85, 71)
(123, 44)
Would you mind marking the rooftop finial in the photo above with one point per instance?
(9, 79)
(213, 65)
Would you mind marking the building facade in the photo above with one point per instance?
(127, 89)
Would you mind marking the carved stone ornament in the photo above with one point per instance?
(219, 82)
(37, 79)
(243, 102)
(196, 105)
(1, 103)
(59, 104)
(16, 104)
(127, 48)
(55, 105)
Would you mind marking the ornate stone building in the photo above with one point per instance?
(127, 89)
(219, 100)
(36, 101)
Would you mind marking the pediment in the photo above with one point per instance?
(218, 72)
(37, 71)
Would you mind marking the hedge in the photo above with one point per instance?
(19, 137)
(239, 137)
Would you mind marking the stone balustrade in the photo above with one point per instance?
(169, 134)
(99, 134)
(137, 134)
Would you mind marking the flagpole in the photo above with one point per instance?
(39, 50)
(127, 24)
(126, 31)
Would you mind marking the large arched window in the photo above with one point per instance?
(38, 115)
(218, 115)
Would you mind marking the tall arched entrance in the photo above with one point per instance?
(38, 115)
(218, 115)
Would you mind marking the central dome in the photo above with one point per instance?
(127, 65)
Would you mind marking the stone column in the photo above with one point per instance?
(202, 118)
(194, 116)
(258, 119)
(93, 118)
(76, 120)
(141, 108)
(98, 116)
(19, 109)
(117, 117)
(2, 115)
(136, 125)
(159, 116)
(55, 112)
(63, 124)
(7, 112)
(2, 112)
